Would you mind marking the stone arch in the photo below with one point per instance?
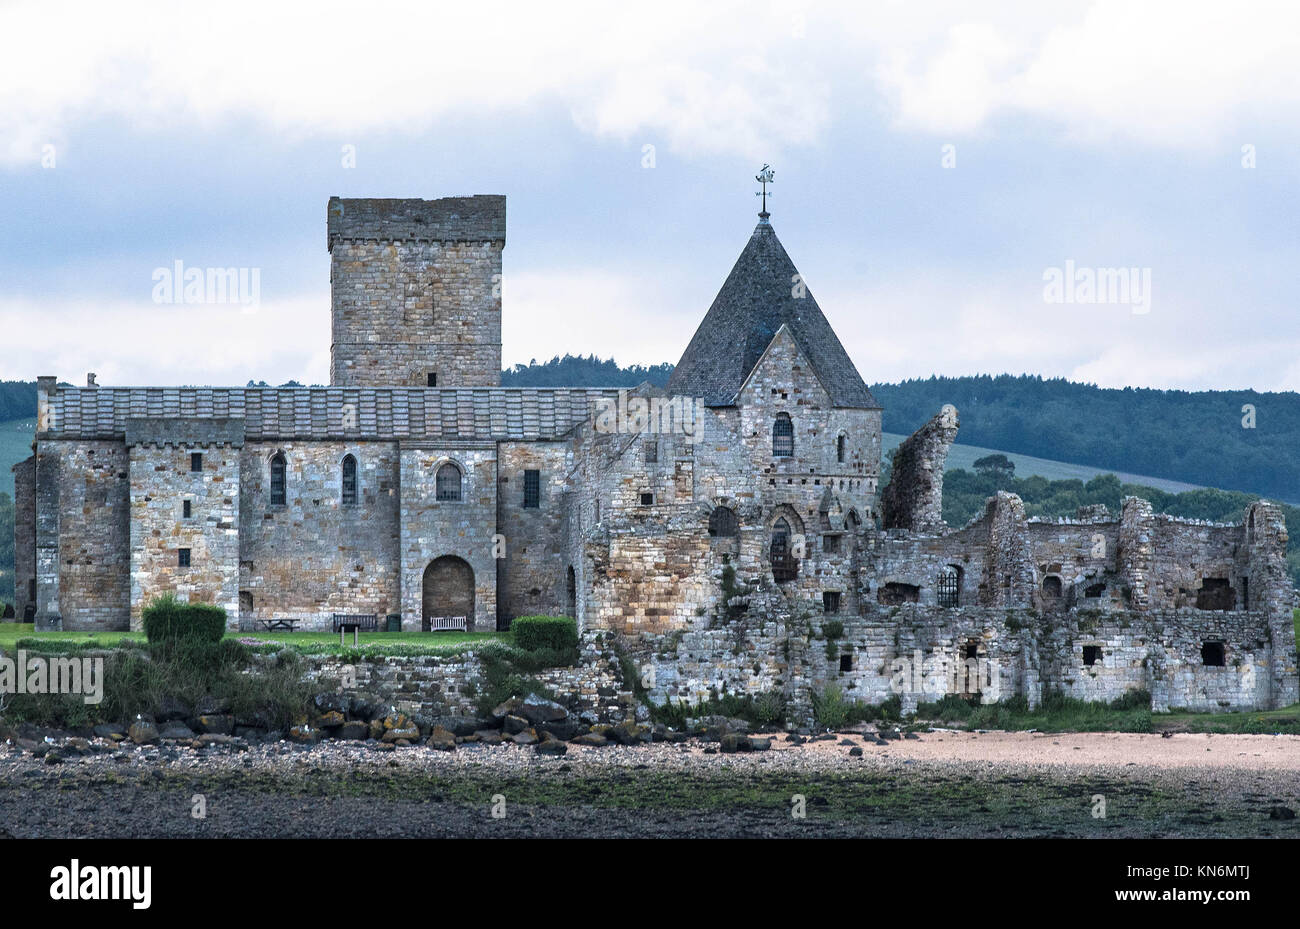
(448, 590)
(783, 549)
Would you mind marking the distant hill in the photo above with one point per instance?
(580, 371)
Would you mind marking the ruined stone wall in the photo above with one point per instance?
(25, 540)
(914, 498)
(83, 535)
(161, 483)
(313, 556)
(464, 529)
(416, 290)
(533, 577)
(433, 686)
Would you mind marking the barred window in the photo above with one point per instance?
(447, 482)
(196, 461)
(948, 588)
(652, 451)
(182, 557)
(532, 489)
(782, 436)
(277, 479)
(349, 480)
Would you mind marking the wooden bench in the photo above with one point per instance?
(272, 624)
(448, 623)
(345, 621)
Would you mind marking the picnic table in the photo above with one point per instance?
(346, 621)
(271, 624)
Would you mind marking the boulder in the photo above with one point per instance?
(220, 724)
(331, 719)
(211, 706)
(563, 729)
(732, 742)
(855, 751)
(537, 709)
(527, 737)
(303, 735)
(551, 747)
(175, 730)
(110, 731)
(376, 729)
(456, 725)
(143, 732)
(443, 740)
(353, 730)
(759, 745)
(630, 733)
(331, 703)
(170, 708)
(399, 721)
(1281, 812)
(514, 724)
(489, 736)
(593, 738)
(407, 734)
(507, 708)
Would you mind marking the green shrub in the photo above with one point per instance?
(833, 628)
(550, 632)
(167, 618)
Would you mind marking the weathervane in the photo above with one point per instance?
(764, 177)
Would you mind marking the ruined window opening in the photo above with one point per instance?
(783, 436)
(972, 650)
(1216, 593)
(1091, 654)
(840, 449)
(948, 587)
(647, 499)
(1212, 654)
(895, 593)
(277, 479)
(853, 521)
(830, 601)
(182, 557)
(831, 544)
(571, 592)
(785, 567)
(723, 523)
(432, 379)
(846, 661)
(196, 461)
(187, 509)
(447, 483)
(349, 480)
(1245, 593)
(1052, 587)
(245, 602)
(652, 451)
(1094, 590)
(532, 489)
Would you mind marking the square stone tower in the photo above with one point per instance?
(415, 291)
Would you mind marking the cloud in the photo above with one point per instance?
(694, 75)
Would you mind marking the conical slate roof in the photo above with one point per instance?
(756, 299)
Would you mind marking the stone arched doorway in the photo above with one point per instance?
(448, 593)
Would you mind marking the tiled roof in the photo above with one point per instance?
(487, 413)
(757, 298)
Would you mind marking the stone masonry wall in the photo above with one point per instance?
(416, 290)
(161, 483)
(533, 577)
(313, 556)
(25, 539)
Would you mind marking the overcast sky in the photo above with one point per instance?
(1109, 135)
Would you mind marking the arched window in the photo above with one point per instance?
(785, 567)
(1052, 586)
(723, 523)
(852, 522)
(277, 479)
(782, 436)
(841, 448)
(349, 480)
(948, 588)
(447, 482)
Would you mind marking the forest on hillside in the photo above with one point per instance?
(17, 399)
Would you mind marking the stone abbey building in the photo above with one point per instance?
(730, 529)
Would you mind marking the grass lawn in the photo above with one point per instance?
(306, 642)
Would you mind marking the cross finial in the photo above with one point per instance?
(764, 177)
